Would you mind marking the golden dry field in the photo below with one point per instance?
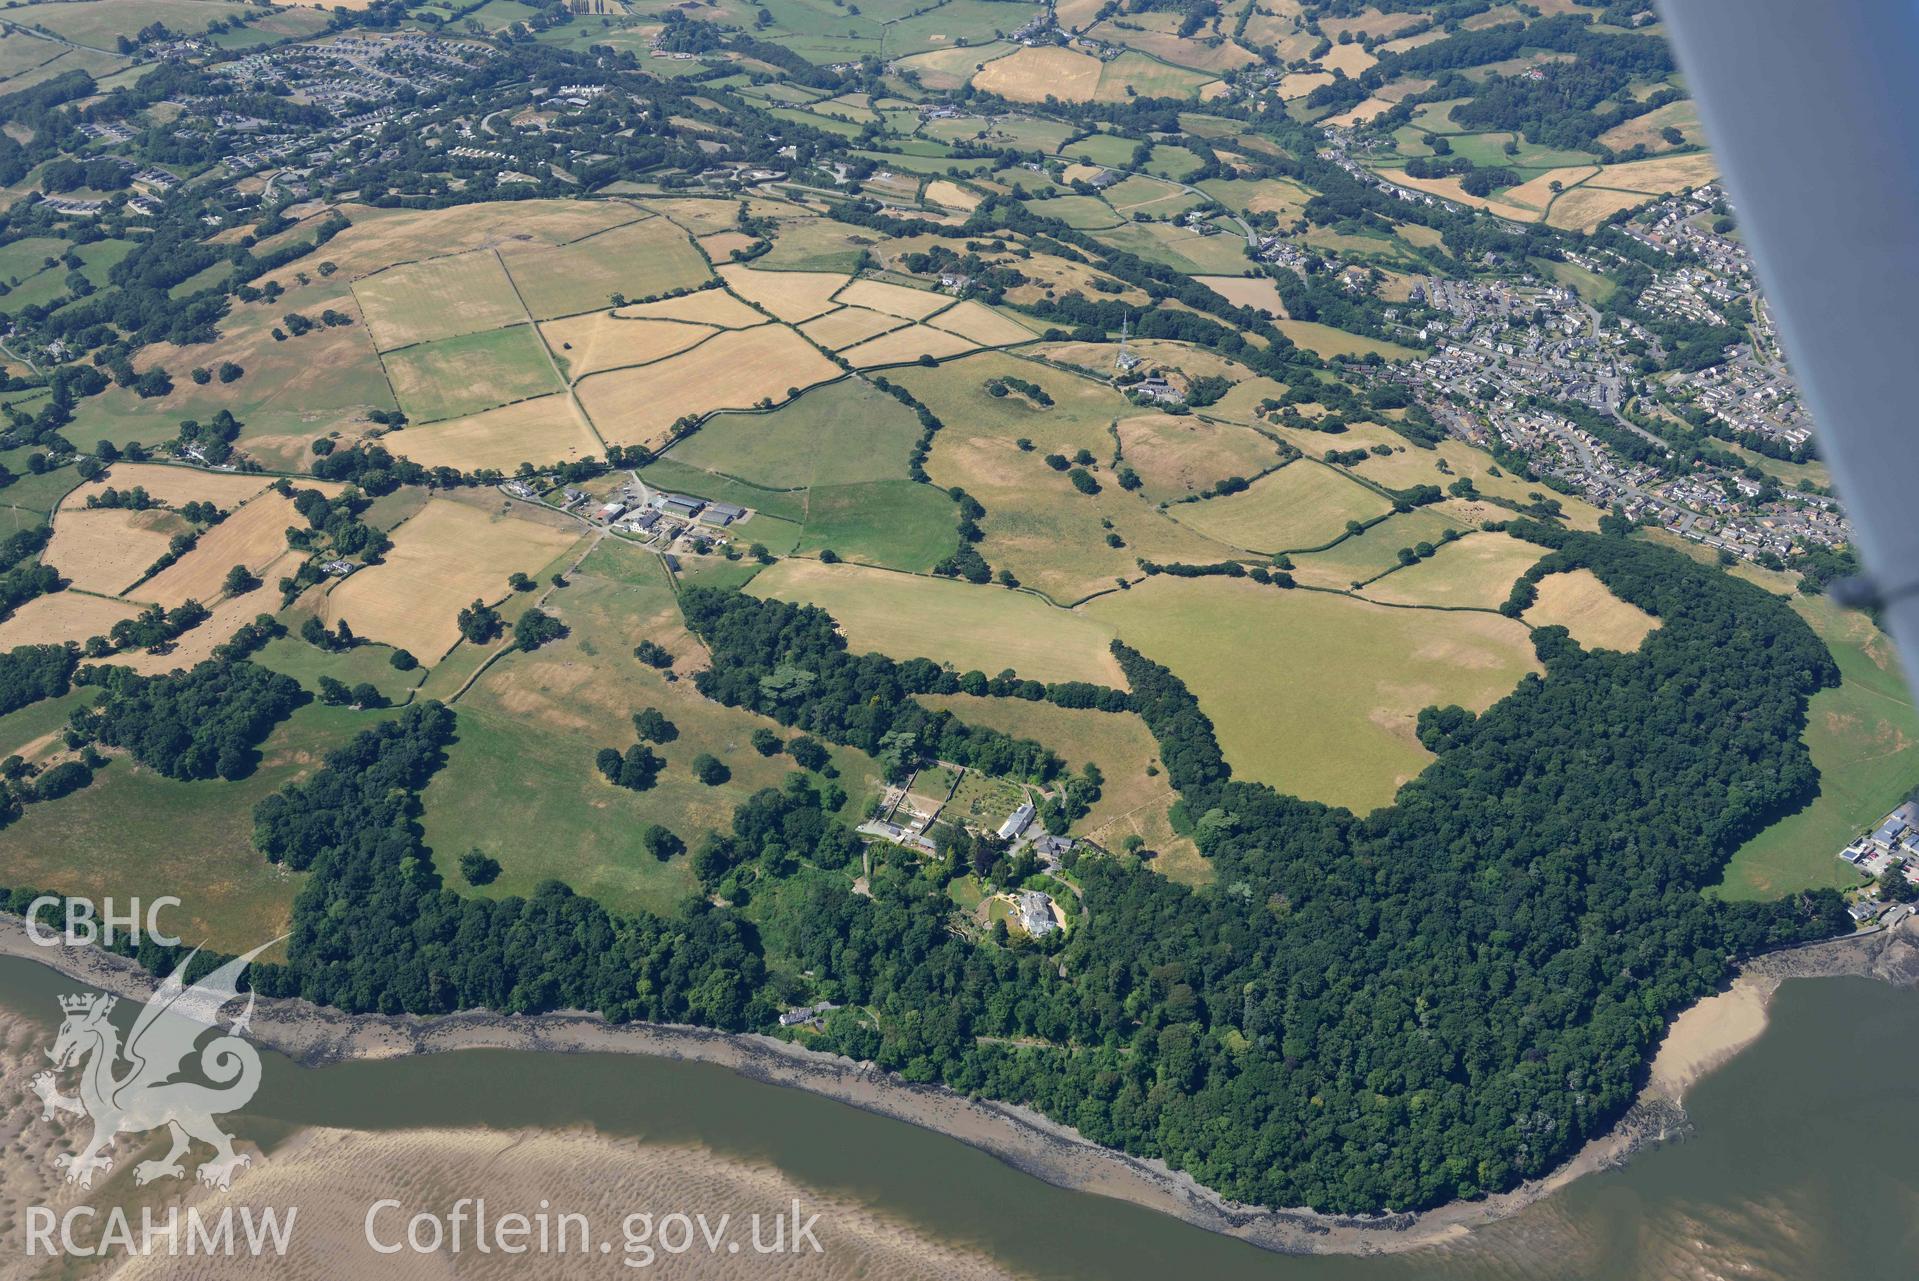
(1580, 603)
(438, 298)
(894, 300)
(548, 429)
(792, 296)
(254, 536)
(845, 326)
(604, 340)
(904, 345)
(1477, 571)
(106, 550)
(732, 370)
(965, 626)
(443, 559)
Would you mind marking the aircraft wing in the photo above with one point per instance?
(1812, 110)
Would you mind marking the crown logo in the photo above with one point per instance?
(84, 1002)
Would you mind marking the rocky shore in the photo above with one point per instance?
(1700, 1040)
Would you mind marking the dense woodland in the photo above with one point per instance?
(1436, 1000)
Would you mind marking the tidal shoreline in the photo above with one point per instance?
(1700, 1040)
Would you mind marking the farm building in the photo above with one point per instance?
(1016, 822)
(680, 505)
(721, 513)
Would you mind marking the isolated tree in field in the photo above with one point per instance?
(239, 581)
(334, 693)
(479, 622)
(403, 660)
(520, 583)
(366, 694)
(653, 654)
(653, 727)
(709, 769)
(766, 742)
(478, 869)
(639, 768)
(535, 628)
(661, 843)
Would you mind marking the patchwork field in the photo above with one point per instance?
(1327, 712)
(442, 559)
(845, 327)
(1304, 504)
(983, 325)
(603, 340)
(834, 435)
(254, 536)
(895, 300)
(906, 345)
(1037, 525)
(174, 486)
(438, 298)
(792, 296)
(291, 391)
(733, 370)
(639, 260)
(1584, 606)
(61, 617)
(1259, 292)
(714, 307)
(1178, 456)
(1476, 571)
(106, 550)
(520, 783)
(1035, 73)
(455, 377)
(898, 524)
(543, 430)
(1363, 556)
(958, 624)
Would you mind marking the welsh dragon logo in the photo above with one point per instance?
(144, 1096)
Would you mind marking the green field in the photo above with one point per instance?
(1367, 555)
(676, 476)
(1086, 213)
(1038, 526)
(1476, 571)
(1303, 504)
(96, 23)
(457, 376)
(520, 782)
(834, 435)
(961, 625)
(133, 832)
(365, 663)
(1864, 737)
(1327, 711)
(639, 260)
(899, 524)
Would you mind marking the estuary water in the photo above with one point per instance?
(1803, 1163)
